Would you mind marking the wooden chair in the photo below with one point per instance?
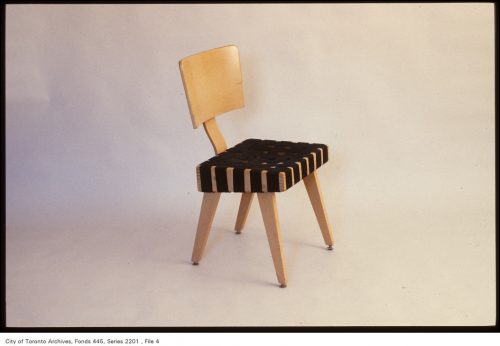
(213, 85)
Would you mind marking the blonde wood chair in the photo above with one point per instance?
(213, 85)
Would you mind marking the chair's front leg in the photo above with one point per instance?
(207, 213)
(245, 203)
(314, 192)
(267, 202)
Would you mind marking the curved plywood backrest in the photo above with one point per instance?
(213, 83)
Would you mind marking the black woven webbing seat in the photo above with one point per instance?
(256, 165)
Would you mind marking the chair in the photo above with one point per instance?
(213, 85)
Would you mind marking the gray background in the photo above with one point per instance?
(101, 187)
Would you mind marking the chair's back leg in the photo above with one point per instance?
(207, 213)
(267, 202)
(245, 203)
(314, 191)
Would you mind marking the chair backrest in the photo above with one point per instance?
(213, 85)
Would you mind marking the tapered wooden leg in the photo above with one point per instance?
(207, 213)
(245, 203)
(314, 191)
(267, 202)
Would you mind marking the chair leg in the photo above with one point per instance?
(207, 213)
(267, 202)
(245, 203)
(314, 191)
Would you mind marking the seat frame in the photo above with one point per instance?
(205, 103)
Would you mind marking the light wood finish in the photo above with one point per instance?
(214, 180)
(212, 82)
(282, 181)
(292, 175)
(247, 182)
(207, 213)
(314, 161)
(198, 177)
(300, 169)
(267, 202)
(213, 85)
(307, 164)
(263, 178)
(321, 151)
(215, 136)
(314, 192)
(230, 180)
(245, 203)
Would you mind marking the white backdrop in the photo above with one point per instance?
(98, 134)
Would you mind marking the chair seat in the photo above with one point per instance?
(256, 165)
